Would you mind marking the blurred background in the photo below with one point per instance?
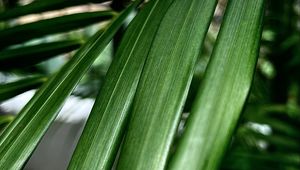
(268, 134)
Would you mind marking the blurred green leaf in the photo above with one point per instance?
(20, 138)
(12, 89)
(42, 6)
(239, 160)
(224, 89)
(270, 115)
(22, 33)
(5, 119)
(33, 54)
(284, 143)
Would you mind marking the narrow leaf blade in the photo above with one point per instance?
(164, 84)
(30, 55)
(20, 138)
(37, 29)
(103, 132)
(41, 6)
(12, 89)
(224, 88)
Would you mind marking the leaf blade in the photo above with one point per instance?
(30, 55)
(102, 134)
(37, 29)
(12, 89)
(21, 137)
(224, 88)
(164, 84)
(41, 6)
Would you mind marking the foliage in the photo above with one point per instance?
(173, 97)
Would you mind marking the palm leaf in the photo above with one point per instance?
(30, 55)
(224, 89)
(4, 120)
(20, 138)
(102, 134)
(12, 89)
(37, 29)
(164, 84)
(42, 6)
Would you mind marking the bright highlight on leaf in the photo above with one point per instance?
(42, 6)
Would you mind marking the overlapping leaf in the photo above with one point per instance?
(4, 120)
(30, 55)
(12, 89)
(102, 135)
(164, 84)
(42, 6)
(21, 33)
(22, 135)
(224, 89)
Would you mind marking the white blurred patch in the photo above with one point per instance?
(261, 128)
(74, 110)
(56, 147)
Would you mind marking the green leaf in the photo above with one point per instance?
(30, 55)
(12, 89)
(269, 161)
(224, 89)
(284, 143)
(4, 120)
(104, 129)
(20, 138)
(164, 85)
(284, 126)
(42, 6)
(37, 29)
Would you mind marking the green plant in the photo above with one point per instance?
(151, 81)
